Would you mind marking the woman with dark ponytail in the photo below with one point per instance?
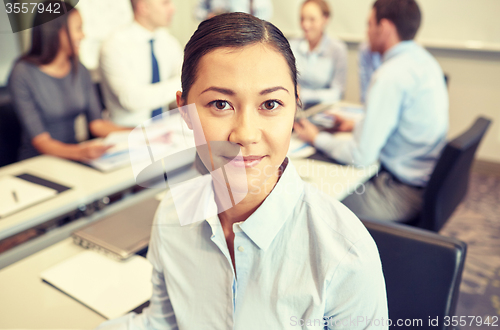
(50, 88)
(250, 245)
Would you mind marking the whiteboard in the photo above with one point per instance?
(455, 24)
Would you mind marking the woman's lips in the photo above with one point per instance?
(246, 161)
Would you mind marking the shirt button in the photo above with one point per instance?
(241, 248)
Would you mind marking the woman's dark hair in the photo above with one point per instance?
(232, 30)
(45, 41)
(405, 14)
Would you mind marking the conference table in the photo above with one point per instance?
(28, 302)
(92, 195)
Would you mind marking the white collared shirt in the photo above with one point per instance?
(322, 71)
(301, 258)
(126, 73)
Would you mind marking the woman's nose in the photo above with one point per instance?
(246, 130)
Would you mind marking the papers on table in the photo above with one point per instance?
(323, 120)
(17, 194)
(109, 287)
(157, 137)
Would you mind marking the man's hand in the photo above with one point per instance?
(343, 125)
(305, 130)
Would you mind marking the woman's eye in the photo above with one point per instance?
(270, 105)
(221, 105)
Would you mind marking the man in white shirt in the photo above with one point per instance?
(140, 65)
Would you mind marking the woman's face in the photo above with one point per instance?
(75, 31)
(312, 21)
(245, 96)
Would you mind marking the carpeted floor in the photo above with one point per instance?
(477, 222)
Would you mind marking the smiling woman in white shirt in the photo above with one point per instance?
(272, 252)
(321, 59)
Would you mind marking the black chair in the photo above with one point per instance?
(10, 129)
(98, 89)
(422, 271)
(449, 181)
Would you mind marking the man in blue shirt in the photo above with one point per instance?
(368, 62)
(406, 118)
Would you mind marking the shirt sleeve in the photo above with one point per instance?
(371, 133)
(358, 290)
(335, 91)
(132, 96)
(24, 102)
(159, 314)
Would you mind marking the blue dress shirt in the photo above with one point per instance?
(368, 62)
(406, 118)
(322, 71)
(301, 258)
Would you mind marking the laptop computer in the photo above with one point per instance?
(122, 234)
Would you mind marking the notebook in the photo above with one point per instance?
(17, 194)
(109, 287)
(122, 234)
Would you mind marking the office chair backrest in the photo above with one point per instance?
(450, 179)
(10, 129)
(422, 271)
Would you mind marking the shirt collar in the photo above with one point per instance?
(265, 223)
(304, 45)
(144, 33)
(397, 49)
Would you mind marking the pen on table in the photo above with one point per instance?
(15, 196)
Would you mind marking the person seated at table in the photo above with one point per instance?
(368, 62)
(321, 59)
(268, 250)
(405, 122)
(262, 9)
(140, 65)
(50, 88)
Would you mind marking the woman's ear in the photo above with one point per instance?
(183, 111)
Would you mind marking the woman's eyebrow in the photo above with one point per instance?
(220, 90)
(273, 89)
(227, 91)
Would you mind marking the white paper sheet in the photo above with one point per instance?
(109, 287)
(17, 194)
